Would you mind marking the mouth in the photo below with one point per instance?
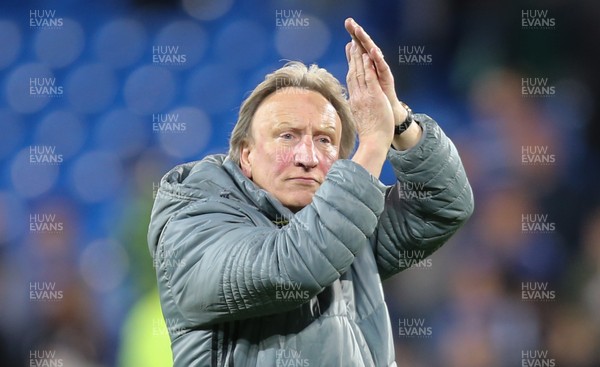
(305, 180)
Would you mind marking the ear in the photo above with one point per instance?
(245, 159)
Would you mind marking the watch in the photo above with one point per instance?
(399, 129)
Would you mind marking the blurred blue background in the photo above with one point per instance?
(99, 99)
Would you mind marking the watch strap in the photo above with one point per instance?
(403, 126)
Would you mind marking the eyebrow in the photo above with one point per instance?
(286, 124)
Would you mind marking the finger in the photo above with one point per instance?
(351, 80)
(358, 66)
(363, 38)
(359, 34)
(370, 74)
(384, 73)
(348, 46)
(382, 67)
(350, 25)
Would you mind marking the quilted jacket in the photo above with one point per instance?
(243, 281)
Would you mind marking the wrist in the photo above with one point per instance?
(373, 146)
(409, 138)
(371, 155)
(404, 118)
(400, 112)
(375, 143)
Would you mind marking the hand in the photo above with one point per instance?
(371, 109)
(385, 78)
(384, 73)
(369, 104)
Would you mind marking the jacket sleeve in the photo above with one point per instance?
(219, 265)
(427, 205)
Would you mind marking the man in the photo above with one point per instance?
(274, 255)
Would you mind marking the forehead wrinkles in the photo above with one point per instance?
(321, 115)
(295, 110)
(330, 115)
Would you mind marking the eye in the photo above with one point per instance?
(287, 136)
(324, 140)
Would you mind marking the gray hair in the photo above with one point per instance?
(297, 75)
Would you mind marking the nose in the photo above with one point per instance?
(305, 153)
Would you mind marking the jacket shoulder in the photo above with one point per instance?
(195, 180)
(184, 184)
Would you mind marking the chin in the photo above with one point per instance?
(297, 204)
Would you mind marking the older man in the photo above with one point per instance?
(274, 254)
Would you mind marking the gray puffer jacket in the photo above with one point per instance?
(243, 281)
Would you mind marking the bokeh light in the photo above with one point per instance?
(185, 41)
(91, 88)
(63, 129)
(13, 132)
(96, 176)
(12, 210)
(59, 47)
(207, 9)
(234, 49)
(34, 170)
(120, 43)
(10, 42)
(190, 141)
(149, 89)
(213, 88)
(29, 88)
(123, 132)
(305, 43)
(97, 258)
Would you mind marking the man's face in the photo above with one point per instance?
(295, 139)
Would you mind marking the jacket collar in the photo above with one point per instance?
(263, 200)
